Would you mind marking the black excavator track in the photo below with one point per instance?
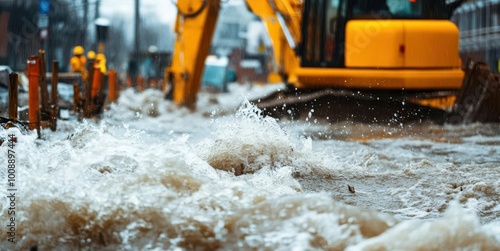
(477, 101)
(334, 105)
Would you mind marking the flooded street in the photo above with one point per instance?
(414, 171)
(150, 176)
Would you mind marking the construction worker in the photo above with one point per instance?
(91, 55)
(78, 61)
(100, 61)
(91, 60)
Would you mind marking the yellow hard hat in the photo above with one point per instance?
(91, 54)
(78, 50)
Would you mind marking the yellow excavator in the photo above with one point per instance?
(368, 60)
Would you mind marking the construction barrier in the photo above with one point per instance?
(43, 111)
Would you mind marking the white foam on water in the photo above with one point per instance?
(457, 230)
(250, 142)
(151, 176)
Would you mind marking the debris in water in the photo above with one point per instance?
(351, 189)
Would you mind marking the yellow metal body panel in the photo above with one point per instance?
(291, 62)
(402, 44)
(274, 78)
(194, 27)
(189, 7)
(374, 43)
(431, 44)
(393, 54)
(407, 79)
(291, 11)
(442, 103)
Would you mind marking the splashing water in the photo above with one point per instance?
(250, 142)
(113, 187)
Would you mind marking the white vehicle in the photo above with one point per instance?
(5, 70)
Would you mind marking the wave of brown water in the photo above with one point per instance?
(127, 187)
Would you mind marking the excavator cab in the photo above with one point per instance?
(371, 53)
(324, 24)
(378, 44)
(322, 32)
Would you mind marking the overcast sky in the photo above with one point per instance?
(164, 9)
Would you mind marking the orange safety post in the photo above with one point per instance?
(33, 95)
(96, 82)
(140, 83)
(13, 91)
(112, 86)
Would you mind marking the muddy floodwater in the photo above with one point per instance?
(151, 176)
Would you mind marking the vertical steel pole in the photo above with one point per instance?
(136, 28)
(54, 109)
(87, 95)
(76, 97)
(43, 84)
(13, 96)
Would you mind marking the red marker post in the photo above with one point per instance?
(33, 95)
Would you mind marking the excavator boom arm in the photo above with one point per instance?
(195, 25)
(194, 28)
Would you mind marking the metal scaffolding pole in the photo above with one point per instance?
(136, 30)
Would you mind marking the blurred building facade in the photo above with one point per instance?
(230, 29)
(22, 34)
(479, 24)
(242, 37)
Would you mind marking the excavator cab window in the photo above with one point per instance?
(319, 29)
(366, 9)
(398, 9)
